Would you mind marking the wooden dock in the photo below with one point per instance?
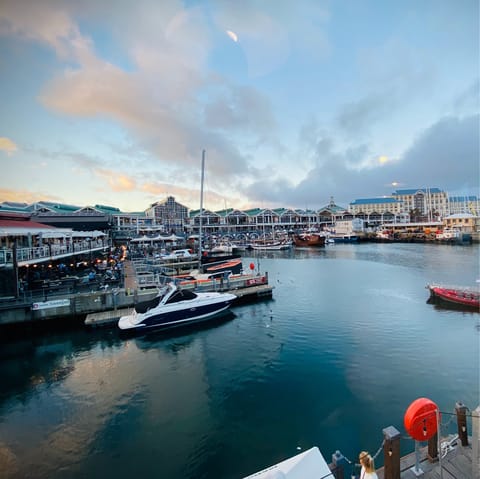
(106, 318)
(456, 456)
(457, 464)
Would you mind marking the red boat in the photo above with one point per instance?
(233, 266)
(309, 240)
(461, 297)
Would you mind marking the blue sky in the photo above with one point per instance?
(112, 102)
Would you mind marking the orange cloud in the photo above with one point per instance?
(23, 196)
(8, 146)
(117, 182)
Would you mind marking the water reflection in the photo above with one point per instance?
(182, 336)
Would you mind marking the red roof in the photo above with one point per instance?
(23, 223)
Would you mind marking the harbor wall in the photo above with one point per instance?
(75, 306)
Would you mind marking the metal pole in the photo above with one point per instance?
(201, 210)
(439, 433)
(418, 471)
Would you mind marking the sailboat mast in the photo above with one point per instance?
(201, 209)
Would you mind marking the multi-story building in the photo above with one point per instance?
(464, 204)
(423, 203)
(169, 213)
(378, 208)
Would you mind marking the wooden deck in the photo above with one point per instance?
(457, 464)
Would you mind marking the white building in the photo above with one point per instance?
(426, 203)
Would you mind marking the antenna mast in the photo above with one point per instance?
(201, 210)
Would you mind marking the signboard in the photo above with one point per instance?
(56, 303)
(258, 280)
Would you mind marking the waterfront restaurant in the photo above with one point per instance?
(25, 243)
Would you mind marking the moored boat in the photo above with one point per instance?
(310, 239)
(345, 238)
(175, 307)
(463, 297)
(271, 245)
(232, 266)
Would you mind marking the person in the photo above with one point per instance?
(368, 466)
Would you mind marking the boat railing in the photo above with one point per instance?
(466, 289)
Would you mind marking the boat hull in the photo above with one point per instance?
(458, 298)
(179, 315)
(309, 240)
(346, 239)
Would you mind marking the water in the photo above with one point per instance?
(347, 343)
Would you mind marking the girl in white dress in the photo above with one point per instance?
(368, 466)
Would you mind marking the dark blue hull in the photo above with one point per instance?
(183, 317)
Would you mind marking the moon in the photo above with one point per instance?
(232, 35)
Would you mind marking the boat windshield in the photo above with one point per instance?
(181, 295)
(144, 306)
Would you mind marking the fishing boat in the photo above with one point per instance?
(174, 307)
(310, 239)
(463, 297)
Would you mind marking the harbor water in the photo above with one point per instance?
(345, 345)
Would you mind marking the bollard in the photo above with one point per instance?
(433, 448)
(391, 453)
(461, 411)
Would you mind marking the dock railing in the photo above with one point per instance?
(431, 457)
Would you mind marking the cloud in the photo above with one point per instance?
(8, 146)
(117, 182)
(445, 155)
(25, 196)
(446, 151)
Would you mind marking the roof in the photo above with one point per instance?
(376, 201)
(11, 223)
(58, 206)
(225, 212)
(462, 199)
(107, 209)
(21, 227)
(413, 192)
(460, 215)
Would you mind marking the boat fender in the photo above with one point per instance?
(420, 419)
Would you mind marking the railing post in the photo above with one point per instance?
(391, 453)
(476, 442)
(461, 411)
(337, 466)
(433, 448)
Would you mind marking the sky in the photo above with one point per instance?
(112, 102)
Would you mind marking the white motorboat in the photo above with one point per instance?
(306, 465)
(175, 307)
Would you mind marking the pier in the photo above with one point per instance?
(456, 456)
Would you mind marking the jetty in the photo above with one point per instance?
(454, 456)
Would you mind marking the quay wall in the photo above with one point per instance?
(74, 306)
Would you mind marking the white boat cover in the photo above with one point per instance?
(306, 465)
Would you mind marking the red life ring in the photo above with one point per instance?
(420, 419)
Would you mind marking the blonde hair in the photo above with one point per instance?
(366, 461)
